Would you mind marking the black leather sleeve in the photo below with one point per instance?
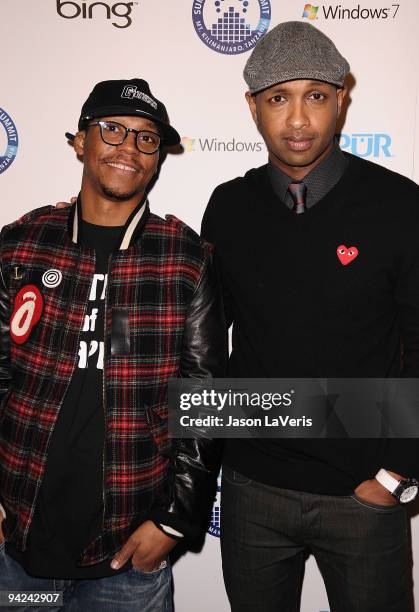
(195, 463)
(4, 336)
(204, 353)
(4, 343)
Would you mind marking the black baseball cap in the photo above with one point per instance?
(127, 97)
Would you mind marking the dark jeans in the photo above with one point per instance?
(131, 591)
(362, 550)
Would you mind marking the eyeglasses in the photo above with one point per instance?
(114, 134)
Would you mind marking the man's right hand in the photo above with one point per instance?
(1, 531)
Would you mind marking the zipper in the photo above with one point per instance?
(105, 316)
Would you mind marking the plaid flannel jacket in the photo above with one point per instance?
(152, 279)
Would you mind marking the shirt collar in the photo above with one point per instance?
(129, 233)
(318, 182)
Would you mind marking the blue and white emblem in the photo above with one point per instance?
(231, 26)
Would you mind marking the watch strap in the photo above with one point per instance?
(385, 479)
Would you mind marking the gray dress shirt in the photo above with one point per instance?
(318, 182)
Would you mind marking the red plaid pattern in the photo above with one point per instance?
(154, 280)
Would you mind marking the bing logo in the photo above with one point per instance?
(310, 11)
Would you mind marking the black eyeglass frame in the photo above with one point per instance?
(127, 130)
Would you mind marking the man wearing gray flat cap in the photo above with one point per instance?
(317, 255)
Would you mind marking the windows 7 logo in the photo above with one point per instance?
(188, 144)
(310, 11)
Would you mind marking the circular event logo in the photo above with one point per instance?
(231, 26)
(12, 140)
(214, 526)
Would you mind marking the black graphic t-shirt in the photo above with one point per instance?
(69, 509)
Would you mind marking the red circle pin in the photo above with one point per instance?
(26, 313)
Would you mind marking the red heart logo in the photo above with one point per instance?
(346, 255)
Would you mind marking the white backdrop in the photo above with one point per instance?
(53, 52)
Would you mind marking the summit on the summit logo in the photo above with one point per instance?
(231, 26)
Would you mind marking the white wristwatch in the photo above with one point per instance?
(403, 490)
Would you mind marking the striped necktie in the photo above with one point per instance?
(298, 194)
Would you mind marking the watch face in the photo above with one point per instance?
(409, 494)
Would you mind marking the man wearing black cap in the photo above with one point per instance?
(320, 269)
(100, 305)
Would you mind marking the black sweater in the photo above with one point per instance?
(298, 312)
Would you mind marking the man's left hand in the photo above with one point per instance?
(72, 201)
(374, 492)
(148, 547)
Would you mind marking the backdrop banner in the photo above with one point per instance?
(192, 52)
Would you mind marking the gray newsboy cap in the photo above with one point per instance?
(294, 50)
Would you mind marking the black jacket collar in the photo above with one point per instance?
(130, 232)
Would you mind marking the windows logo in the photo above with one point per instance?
(310, 11)
(231, 26)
